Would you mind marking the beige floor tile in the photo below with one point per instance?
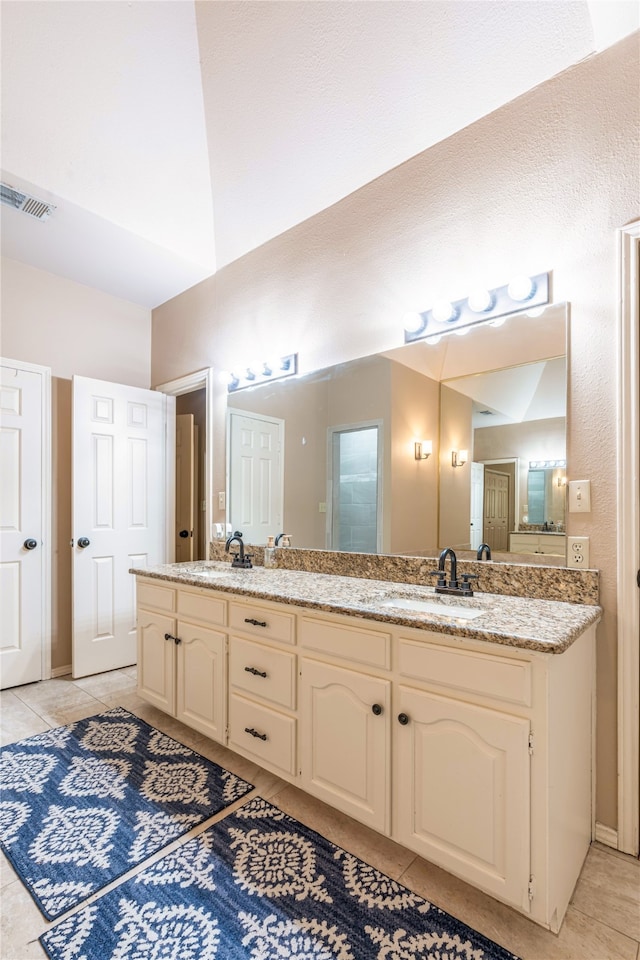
(17, 720)
(21, 923)
(7, 873)
(580, 938)
(107, 684)
(379, 851)
(48, 694)
(609, 890)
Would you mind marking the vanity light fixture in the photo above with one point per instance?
(423, 449)
(459, 458)
(263, 373)
(546, 464)
(521, 295)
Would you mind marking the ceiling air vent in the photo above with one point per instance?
(38, 209)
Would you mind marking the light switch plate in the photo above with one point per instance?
(222, 500)
(579, 496)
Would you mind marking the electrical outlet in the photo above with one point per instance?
(578, 552)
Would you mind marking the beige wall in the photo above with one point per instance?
(74, 330)
(541, 183)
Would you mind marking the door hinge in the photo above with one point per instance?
(530, 744)
(531, 888)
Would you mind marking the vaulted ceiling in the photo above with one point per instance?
(173, 137)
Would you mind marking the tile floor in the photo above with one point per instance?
(602, 922)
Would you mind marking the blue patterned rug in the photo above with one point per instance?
(260, 885)
(82, 804)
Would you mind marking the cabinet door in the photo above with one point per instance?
(156, 659)
(201, 680)
(461, 790)
(345, 741)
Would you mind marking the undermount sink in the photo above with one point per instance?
(438, 607)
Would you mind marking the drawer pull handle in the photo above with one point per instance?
(403, 719)
(256, 623)
(254, 733)
(256, 673)
(176, 640)
(376, 709)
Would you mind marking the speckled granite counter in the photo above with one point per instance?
(547, 626)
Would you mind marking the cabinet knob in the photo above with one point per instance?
(30, 544)
(403, 719)
(377, 709)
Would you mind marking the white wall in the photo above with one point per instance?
(74, 330)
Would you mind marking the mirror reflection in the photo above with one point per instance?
(330, 458)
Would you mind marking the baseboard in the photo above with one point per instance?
(60, 671)
(606, 835)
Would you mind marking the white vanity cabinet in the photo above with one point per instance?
(263, 685)
(181, 658)
(550, 544)
(475, 755)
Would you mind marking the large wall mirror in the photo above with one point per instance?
(330, 458)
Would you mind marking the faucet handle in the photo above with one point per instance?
(466, 586)
(442, 582)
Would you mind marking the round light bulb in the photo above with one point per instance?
(521, 288)
(480, 301)
(436, 338)
(497, 322)
(536, 312)
(462, 332)
(413, 322)
(443, 311)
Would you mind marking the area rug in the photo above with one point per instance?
(260, 885)
(82, 804)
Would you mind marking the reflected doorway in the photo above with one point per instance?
(496, 509)
(191, 432)
(355, 488)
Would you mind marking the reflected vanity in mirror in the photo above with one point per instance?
(330, 458)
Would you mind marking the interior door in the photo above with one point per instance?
(119, 514)
(496, 509)
(255, 476)
(185, 477)
(24, 411)
(477, 499)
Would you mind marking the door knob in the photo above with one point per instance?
(83, 542)
(30, 544)
(183, 533)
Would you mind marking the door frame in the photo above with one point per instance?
(201, 379)
(46, 504)
(628, 538)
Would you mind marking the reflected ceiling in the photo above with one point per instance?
(175, 137)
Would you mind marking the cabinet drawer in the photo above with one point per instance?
(371, 647)
(495, 677)
(156, 597)
(262, 621)
(263, 671)
(269, 736)
(199, 606)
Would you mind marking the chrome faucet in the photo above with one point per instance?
(483, 549)
(240, 559)
(454, 586)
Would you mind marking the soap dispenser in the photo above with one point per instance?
(270, 553)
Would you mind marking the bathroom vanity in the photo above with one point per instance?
(461, 729)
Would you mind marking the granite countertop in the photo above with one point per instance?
(548, 626)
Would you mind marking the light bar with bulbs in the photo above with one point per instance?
(260, 373)
(481, 306)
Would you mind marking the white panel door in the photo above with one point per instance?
(255, 476)
(119, 514)
(185, 467)
(477, 502)
(24, 411)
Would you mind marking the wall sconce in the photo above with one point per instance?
(459, 458)
(481, 306)
(562, 481)
(263, 373)
(423, 449)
